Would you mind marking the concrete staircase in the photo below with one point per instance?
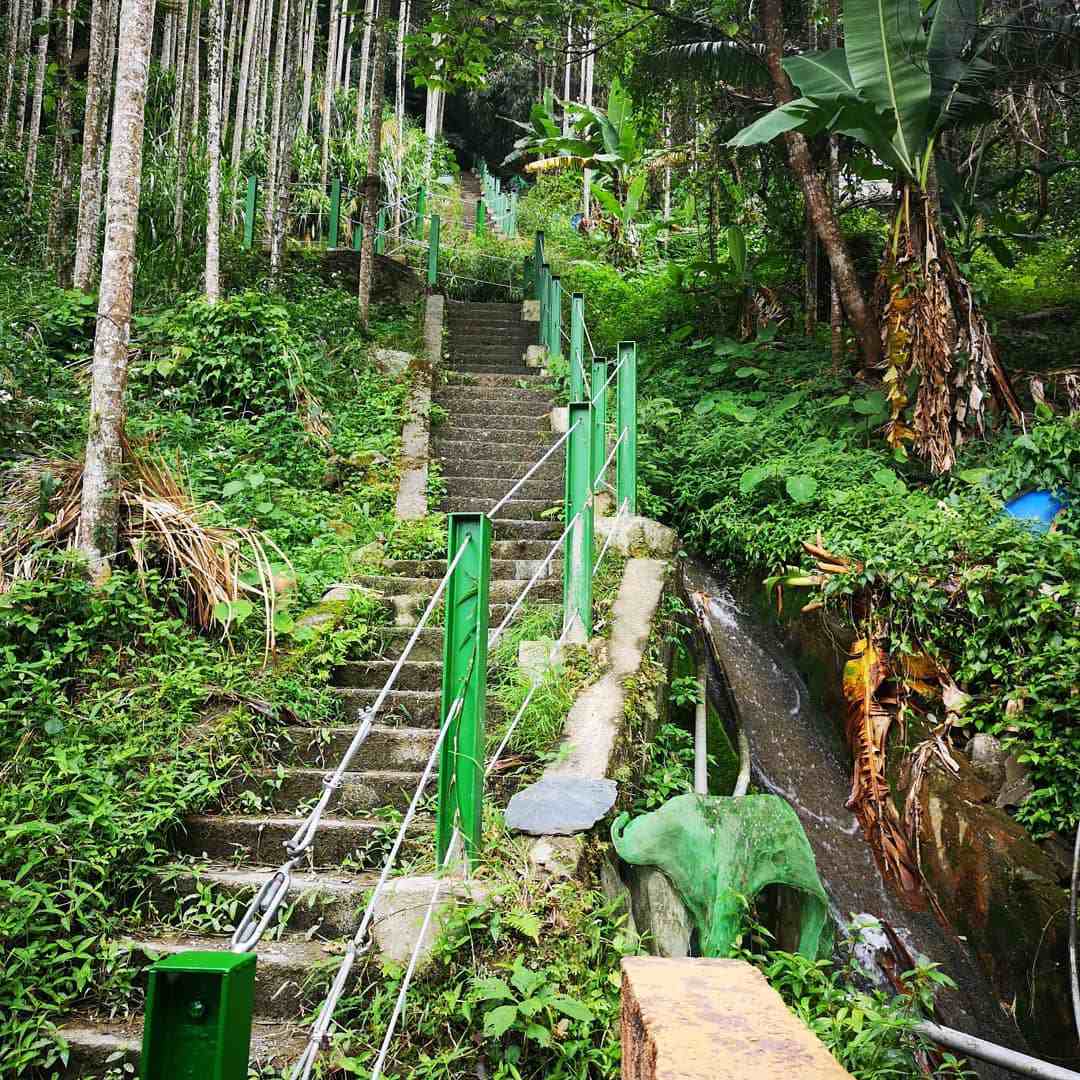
(497, 427)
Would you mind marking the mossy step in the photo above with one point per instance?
(525, 454)
(521, 508)
(361, 791)
(386, 747)
(498, 591)
(534, 405)
(506, 471)
(456, 431)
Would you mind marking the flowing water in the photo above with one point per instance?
(799, 753)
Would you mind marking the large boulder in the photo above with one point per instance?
(1004, 894)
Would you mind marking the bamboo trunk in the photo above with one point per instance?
(370, 7)
(10, 60)
(214, 59)
(237, 145)
(60, 204)
(328, 96)
(309, 67)
(371, 181)
(275, 116)
(42, 47)
(22, 75)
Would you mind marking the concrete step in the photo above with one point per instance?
(535, 380)
(393, 748)
(474, 391)
(514, 528)
(327, 904)
(471, 308)
(402, 708)
(499, 343)
(531, 550)
(99, 1046)
(547, 489)
(392, 639)
(291, 975)
(525, 454)
(506, 471)
(501, 569)
(452, 431)
(372, 674)
(361, 792)
(494, 331)
(495, 365)
(535, 406)
(260, 838)
(499, 591)
(521, 508)
(539, 422)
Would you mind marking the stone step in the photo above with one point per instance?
(372, 674)
(467, 404)
(329, 904)
(521, 508)
(452, 431)
(525, 454)
(260, 838)
(535, 379)
(499, 591)
(495, 365)
(539, 422)
(456, 309)
(501, 569)
(526, 529)
(103, 1046)
(392, 639)
(401, 709)
(360, 792)
(291, 975)
(506, 471)
(466, 321)
(396, 748)
(501, 343)
(451, 395)
(546, 488)
(490, 329)
(532, 550)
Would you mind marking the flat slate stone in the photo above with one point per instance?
(560, 805)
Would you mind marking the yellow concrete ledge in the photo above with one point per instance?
(692, 1019)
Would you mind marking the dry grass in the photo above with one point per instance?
(161, 524)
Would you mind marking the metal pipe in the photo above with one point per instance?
(701, 733)
(971, 1046)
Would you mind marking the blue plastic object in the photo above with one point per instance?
(1036, 509)
(576, 220)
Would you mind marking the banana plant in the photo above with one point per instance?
(899, 81)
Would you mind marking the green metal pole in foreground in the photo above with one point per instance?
(577, 347)
(465, 647)
(598, 377)
(249, 211)
(555, 315)
(380, 232)
(538, 259)
(481, 214)
(512, 219)
(545, 302)
(433, 252)
(578, 556)
(626, 428)
(198, 1016)
(335, 213)
(357, 234)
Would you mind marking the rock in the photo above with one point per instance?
(560, 806)
(537, 658)
(283, 582)
(1001, 892)
(1017, 786)
(659, 912)
(530, 311)
(560, 419)
(369, 555)
(392, 361)
(987, 759)
(556, 857)
(535, 356)
(399, 915)
(316, 619)
(632, 534)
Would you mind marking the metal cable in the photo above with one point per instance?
(547, 453)
(262, 909)
(610, 536)
(603, 468)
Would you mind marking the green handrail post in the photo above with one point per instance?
(578, 557)
(380, 232)
(357, 234)
(555, 315)
(335, 213)
(198, 1016)
(433, 252)
(545, 303)
(421, 211)
(626, 428)
(481, 215)
(577, 347)
(538, 258)
(512, 220)
(249, 211)
(598, 385)
(465, 647)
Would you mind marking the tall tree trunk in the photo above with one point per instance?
(180, 85)
(836, 310)
(89, 180)
(346, 79)
(165, 57)
(309, 66)
(568, 69)
(339, 49)
(184, 128)
(42, 47)
(371, 181)
(15, 15)
(399, 117)
(235, 19)
(365, 61)
(290, 119)
(265, 66)
(56, 239)
(328, 94)
(195, 97)
(215, 55)
(255, 75)
(275, 115)
(241, 103)
(107, 98)
(860, 314)
(100, 510)
(587, 99)
(23, 57)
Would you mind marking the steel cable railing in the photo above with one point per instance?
(262, 909)
(532, 470)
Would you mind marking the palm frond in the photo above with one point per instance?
(737, 66)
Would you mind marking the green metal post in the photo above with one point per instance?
(481, 214)
(512, 220)
(465, 645)
(380, 232)
(249, 211)
(598, 380)
(357, 234)
(421, 211)
(335, 213)
(433, 252)
(198, 1017)
(626, 428)
(538, 259)
(578, 557)
(555, 313)
(577, 347)
(545, 302)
